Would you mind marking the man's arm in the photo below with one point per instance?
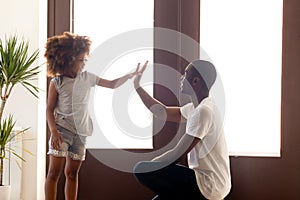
(184, 146)
(158, 109)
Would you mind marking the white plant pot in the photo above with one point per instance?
(5, 192)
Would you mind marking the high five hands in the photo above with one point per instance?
(139, 73)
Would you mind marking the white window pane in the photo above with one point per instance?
(106, 22)
(244, 41)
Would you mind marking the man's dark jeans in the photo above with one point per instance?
(168, 182)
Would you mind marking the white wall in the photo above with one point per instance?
(28, 19)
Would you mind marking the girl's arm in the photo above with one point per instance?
(51, 103)
(116, 82)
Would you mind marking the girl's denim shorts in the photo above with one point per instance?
(73, 145)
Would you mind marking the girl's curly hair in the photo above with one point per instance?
(62, 50)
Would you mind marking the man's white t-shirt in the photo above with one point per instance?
(209, 158)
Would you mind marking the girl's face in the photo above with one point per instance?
(79, 63)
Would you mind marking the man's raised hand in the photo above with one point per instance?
(138, 75)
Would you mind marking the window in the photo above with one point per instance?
(244, 41)
(116, 29)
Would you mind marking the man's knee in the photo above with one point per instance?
(145, 170)
(148, 166)
(140, 167)
(139, 172)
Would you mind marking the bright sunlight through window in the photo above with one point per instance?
(244, 41)
(105, 22)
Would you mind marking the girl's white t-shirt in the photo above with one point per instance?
(72, 106)
(209, 158)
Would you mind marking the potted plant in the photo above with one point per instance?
(15, 68)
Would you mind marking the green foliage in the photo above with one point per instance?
(16, 65)
(15, 68)
(7, 135)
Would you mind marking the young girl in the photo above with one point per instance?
(67, 113)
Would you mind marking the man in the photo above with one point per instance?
(208, 173)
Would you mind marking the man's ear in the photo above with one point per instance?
(196, 80)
